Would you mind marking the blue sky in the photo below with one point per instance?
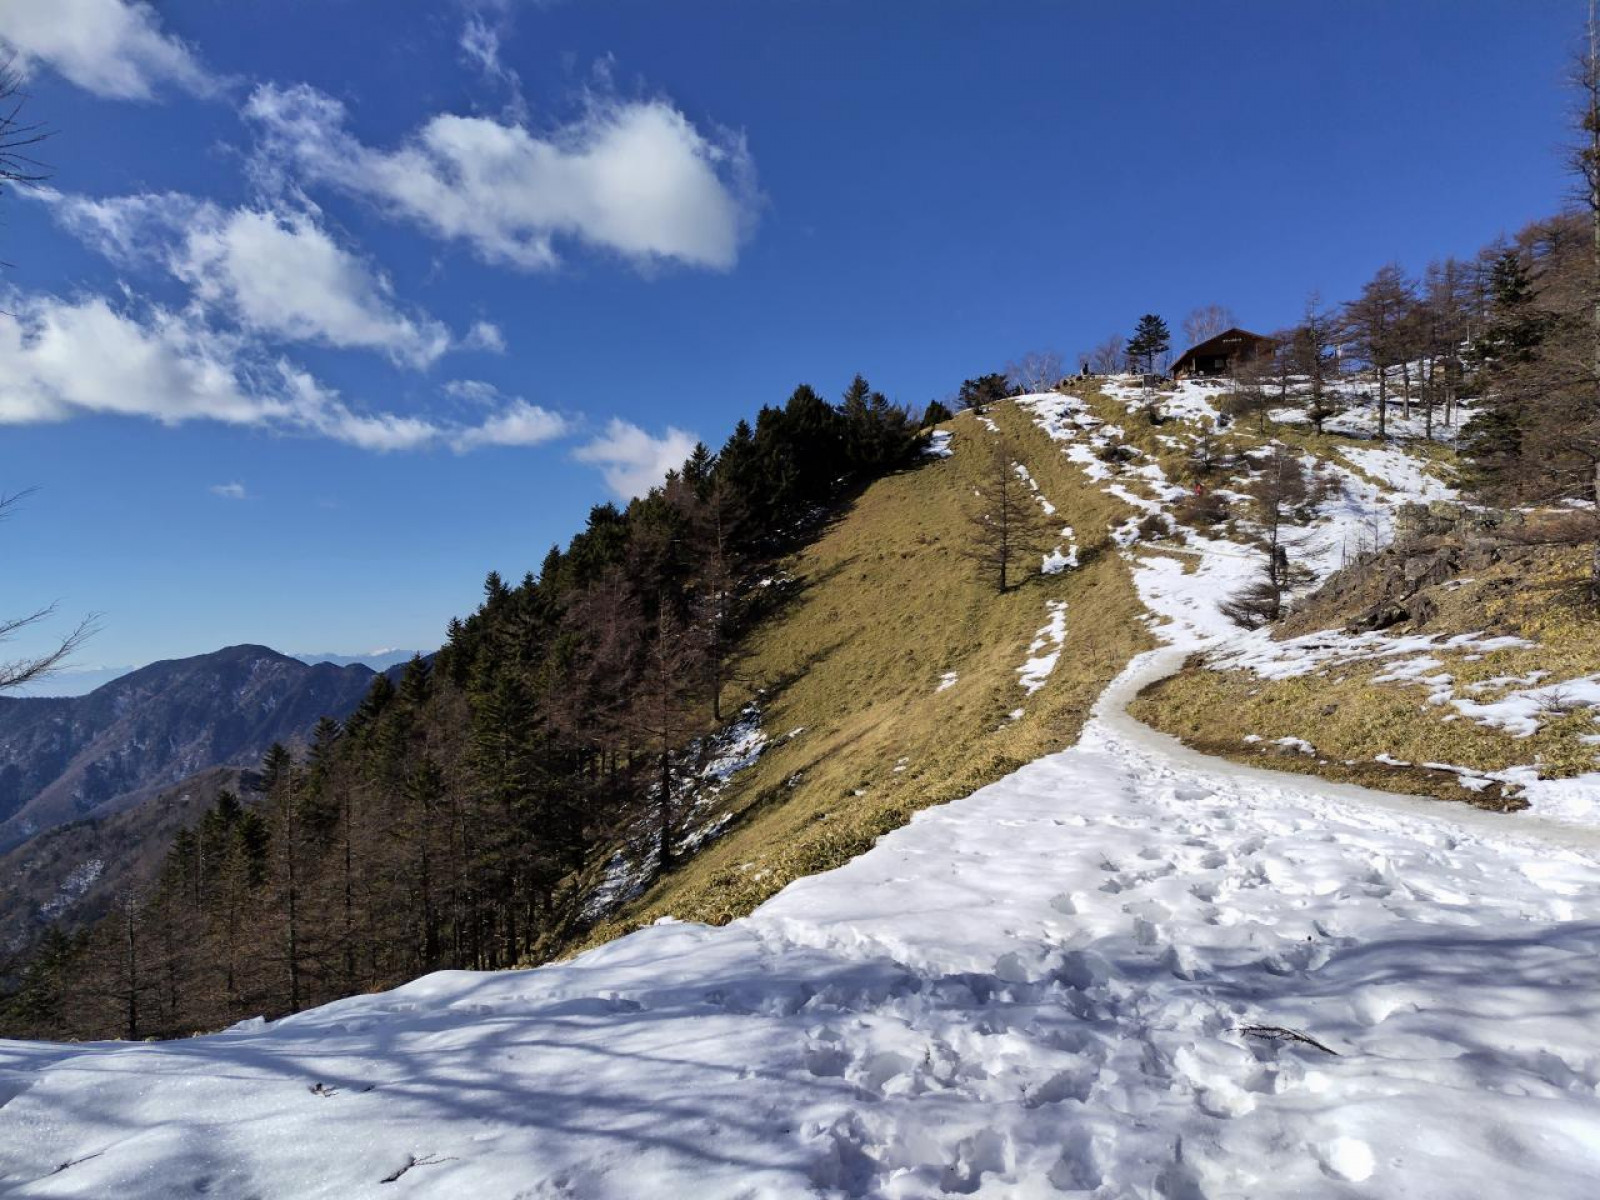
(331, 306)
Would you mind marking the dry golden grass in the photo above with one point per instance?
(887, 604)
(1351, 718)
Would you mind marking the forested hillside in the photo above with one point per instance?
(447, 821)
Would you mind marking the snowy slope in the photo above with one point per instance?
(1125, 970)
(1045, 988)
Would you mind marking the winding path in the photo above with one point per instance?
(1111, 710)
(1085, 979)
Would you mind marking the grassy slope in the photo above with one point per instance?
(887, 605)
(1351, 719)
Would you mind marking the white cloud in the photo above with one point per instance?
(280, 274)
(113, 48)
(230, 491)
(275, 272)
(485, 335)
(633, 461)
(636, 178)
(519, 424)
(474, 391)
(480, 44)
(62, 359)
(126, 229)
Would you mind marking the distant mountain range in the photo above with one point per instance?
(82, 682)
(378, 660)
(67, 758)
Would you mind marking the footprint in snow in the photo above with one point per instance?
(826, 1056)
(1073, 1083)
(985, 1152)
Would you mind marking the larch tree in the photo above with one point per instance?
(1374, 321)
(1008, 527)
(1280, 491)
(1313, 349)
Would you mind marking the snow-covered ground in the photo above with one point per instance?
(1123, 971)
(1110, 974)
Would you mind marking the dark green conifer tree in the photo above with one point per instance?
(1151, 339)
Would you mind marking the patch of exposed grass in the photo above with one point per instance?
(886, 604)
(1351, 719)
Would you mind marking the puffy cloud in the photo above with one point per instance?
(61, 359)
(276, 273)
(518, 424)
(113, 48)
(633, 461)
(636, 178)
(485, 335)
(230, 491)
(282, 275)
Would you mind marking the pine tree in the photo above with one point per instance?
(1493, 439)
(979, 393)
(1151, 340)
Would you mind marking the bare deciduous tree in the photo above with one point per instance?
(1036, 371)
(1110, 356)
(1313, 350)
(1206, 322)
(1250, 396)
(1375, 322)
(18, 137)
(1280, 493)
(17, 672)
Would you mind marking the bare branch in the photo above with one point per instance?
(18, 672)
(17, 135)
(30, 670)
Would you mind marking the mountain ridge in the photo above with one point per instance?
(66, 758)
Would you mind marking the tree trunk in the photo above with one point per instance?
(292, 900)
(131, 967)
(1383, 403)
(1594, 554)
